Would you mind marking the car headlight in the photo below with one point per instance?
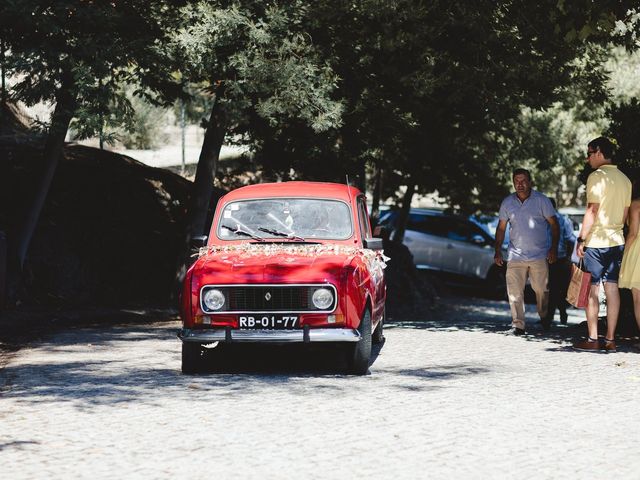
(213, 299)
(322, 298)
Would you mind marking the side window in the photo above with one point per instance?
(459, 231)
(464, 232)
(363, 218)
(429, 224)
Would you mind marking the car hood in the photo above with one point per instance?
(274, 263)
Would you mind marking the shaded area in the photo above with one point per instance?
(472, 308)
(113, 378)
(107, 383)
(28, 325)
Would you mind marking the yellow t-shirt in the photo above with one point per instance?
(611, 189)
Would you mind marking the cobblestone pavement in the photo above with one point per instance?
(448, 396)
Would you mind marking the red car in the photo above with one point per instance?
(286, 262)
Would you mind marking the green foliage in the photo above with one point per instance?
(623, 129)
(100, 46)
(450, 95)
(144, 129)
(434, 93)
(268, 66)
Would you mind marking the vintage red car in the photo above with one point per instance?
(287, 262)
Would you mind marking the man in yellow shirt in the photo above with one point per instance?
(601, 240)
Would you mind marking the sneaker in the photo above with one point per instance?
(588, 345)
(515, 331)
(609, 346)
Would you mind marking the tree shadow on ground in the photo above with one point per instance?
(470, 307)
(91, 384)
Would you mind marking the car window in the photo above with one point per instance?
(431, 224)
(302, 217)
(446, 226)
(463, 231)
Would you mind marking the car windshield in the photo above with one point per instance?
(297, 219)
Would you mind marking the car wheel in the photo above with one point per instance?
(497, 283)
(360, 353)
(378, 335)
(192, 357)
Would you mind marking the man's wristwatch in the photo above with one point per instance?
(580, 240)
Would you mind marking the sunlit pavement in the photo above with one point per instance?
(449, 395)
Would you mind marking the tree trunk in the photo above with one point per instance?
(401, 226)
(362, 175)
(62, 115)
(375, 197)
(202, 189)
(203, 184)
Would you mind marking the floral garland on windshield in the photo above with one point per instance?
(296, 249)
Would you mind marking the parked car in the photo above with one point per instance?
(489, 223)
(449, 243)
(286, 262)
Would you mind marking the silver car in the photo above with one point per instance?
(449, 243)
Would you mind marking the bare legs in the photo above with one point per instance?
(636, 304)
(613, 308)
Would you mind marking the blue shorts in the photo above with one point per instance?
(603, 263)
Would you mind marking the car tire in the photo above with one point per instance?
(378, 334)
(359, 354)
(192, 358)
(497, 283)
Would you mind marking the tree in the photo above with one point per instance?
(76, 55)
(258, 64)
(432, 90)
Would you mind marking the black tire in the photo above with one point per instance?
(378, 334)
(497, 283)
(359, 354)
(192, 358)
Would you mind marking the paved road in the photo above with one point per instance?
(449, 397)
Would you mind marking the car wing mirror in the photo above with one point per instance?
(198, 242)
(373, 243)
(381, 231)
(478, 240)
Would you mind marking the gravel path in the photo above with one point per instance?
(448, 395)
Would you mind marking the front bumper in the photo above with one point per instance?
(305, 335)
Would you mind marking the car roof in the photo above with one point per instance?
(572, 210)
(294, 189)
(422, 211)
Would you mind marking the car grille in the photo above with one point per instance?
(280, 298)
(270, 298)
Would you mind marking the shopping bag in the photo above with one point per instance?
(578, 291)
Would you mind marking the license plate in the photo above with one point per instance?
(268, 322)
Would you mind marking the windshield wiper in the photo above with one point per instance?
(278, 233)
(239, 231)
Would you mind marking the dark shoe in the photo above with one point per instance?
(588, 345)
(546, 324)
(609, 346)
(563, 318)
(516, 331)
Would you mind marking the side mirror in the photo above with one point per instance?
(478, 240)
(198, 241)
(373, 243)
